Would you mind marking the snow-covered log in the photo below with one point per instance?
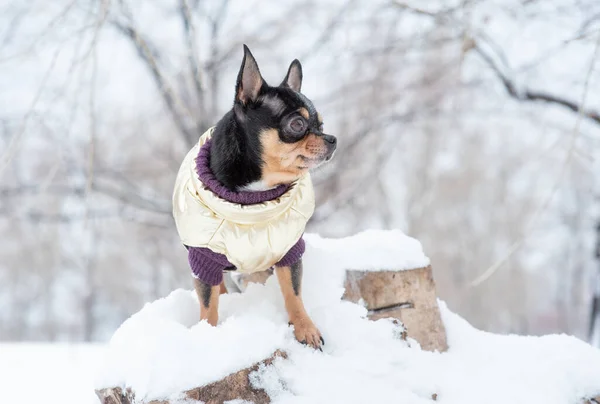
(236, 386)
(408, 295)
(115, 395)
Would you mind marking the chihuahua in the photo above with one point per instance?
(243, 194)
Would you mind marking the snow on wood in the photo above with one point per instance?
(406, 295)
(236, 386)
(373, 250)
(116, 395)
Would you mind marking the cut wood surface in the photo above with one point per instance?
(408, 295)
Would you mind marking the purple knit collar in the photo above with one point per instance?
(242, 197)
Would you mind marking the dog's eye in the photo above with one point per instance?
(297, 125)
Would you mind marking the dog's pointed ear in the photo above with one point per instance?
(249, 81)
(293, 78)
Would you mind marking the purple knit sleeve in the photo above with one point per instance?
(293, 255)
(207, 265)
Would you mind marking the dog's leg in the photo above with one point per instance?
(208, 296)
(290, 281)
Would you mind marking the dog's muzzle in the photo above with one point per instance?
(331, 143)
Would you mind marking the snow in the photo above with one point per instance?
(394, 250)
(48, 373)
(163, 349)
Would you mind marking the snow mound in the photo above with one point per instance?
(163, 349)
(373, 250)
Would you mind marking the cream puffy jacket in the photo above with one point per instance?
(252, 237)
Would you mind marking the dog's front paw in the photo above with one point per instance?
(306, 333)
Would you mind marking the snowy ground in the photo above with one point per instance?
(48, 373)
(163, 349)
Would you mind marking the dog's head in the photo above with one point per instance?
(281, 123)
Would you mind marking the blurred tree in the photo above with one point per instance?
(594, 332)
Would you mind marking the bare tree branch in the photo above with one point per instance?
(327, 33)
(192, 51)
(30, 189)
(421, 11)
(589, 22)
(523, 94)
(344, 197)
(41, 217)
(213, 72)
(179, 112)
(532, 95)
(12, 27)
(56, 20)
(133, 198)
(104, 6)
(127, 196)
(15, 141)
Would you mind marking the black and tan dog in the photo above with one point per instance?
(243, 194)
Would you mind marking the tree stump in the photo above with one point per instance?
(115, 395)
(235, 386)
(408, 295)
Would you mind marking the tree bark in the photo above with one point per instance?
(407, 295)
(235, 386)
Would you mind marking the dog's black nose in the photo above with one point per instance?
(330, 139)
